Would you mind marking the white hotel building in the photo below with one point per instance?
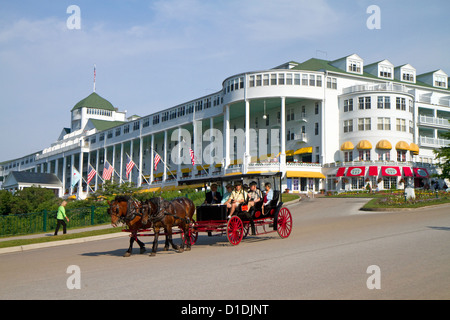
(333, 125)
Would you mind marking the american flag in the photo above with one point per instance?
(192, 156)
(107, 171)
(130, 165)
(157, 160)
(91, 174)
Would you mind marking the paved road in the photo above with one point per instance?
(326, 257)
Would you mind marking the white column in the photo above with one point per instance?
(121, 163)
(96, 169)
(179, 174)
(140, 161)
(72, 160)
(165, 156)
(283, 132)
(226, 129)
(247, 156)
(80, 183)
(131, 156)
(64, 173)
(113, 162)
(152, 158)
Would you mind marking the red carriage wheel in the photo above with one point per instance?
(193, 234)
(235, 230)
(284, 223)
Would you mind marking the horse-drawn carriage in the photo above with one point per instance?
(212, 219)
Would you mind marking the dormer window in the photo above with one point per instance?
(385, 72)
(408, 76)
(440, 81)
(354, 66)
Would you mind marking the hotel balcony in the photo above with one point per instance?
(433, 142)
(388, 86)
(434, 122)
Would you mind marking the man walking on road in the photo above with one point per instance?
(60, 218)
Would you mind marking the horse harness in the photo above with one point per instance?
(163, 211)
(134, 208)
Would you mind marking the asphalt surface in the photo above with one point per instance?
(329, 255)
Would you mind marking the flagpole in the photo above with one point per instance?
(94, 77)
(140, 172)
(164, 164)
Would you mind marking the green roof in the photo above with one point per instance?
(94, 101)
(102, 125)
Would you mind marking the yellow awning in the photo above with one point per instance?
(347, 145)
(364, 145)
(206, 166)
(289, 153)
(304, 150)
(384, 144)
(186, 170)
(304, 174)
(218, 165)
(159, 175)
(402, 145)
(414, 148)
(233, 173)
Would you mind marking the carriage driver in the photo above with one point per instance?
(238, 196)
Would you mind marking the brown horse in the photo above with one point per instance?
(133, 213)
(167, 214)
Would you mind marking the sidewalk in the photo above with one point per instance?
(51, 232)
(60, 242)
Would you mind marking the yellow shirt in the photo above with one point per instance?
(238, 195)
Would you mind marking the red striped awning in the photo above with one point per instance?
(407, 172)
(340, 172)
(421, 172)
(373, 171)
(356, 171)
(391, 171)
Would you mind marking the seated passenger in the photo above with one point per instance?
(268, 196)
(254, 195)
(213, 197)
(238, 196)
(227, 194)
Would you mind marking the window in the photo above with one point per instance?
(401, 125)
(408, 76)
(319, 80)
(273, 79)
(411, 127)
(266, 80)
(316, 128)
(367, 103)
(316, 108)
(384, 155)
(384, 123)
(258, 80)
(348, 156)
(290, 114)
(281, 78)
(348, 126)
(390, 182)
(126, 129)
(297, 79)
(364, 124)
(354, 66)
(289, 78)
(361, 103)
(251, 82)
(440, 81)
(331, 83)
(384, 102)
(385, 72)
(118, 131)
(401, 155)
(364, 155)
(312, 80)
(357, 182)
(110, 134)
(304, 79)
(155, 119)
(400, 103)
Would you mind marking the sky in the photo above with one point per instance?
(155, 54)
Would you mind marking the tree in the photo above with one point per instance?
(443, 155)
